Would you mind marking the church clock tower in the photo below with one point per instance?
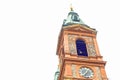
(78, 52)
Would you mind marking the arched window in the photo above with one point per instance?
(81, 48)
(75, 18)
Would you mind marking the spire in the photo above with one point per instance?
(71, 8)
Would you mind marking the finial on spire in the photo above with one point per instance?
(71, 8)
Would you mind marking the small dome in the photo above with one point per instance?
(72, 18)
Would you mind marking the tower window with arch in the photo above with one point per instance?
(75, 18)
(81, 48)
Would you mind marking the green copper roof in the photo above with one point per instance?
(56, 74)
(72, 18)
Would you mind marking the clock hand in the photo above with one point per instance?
(86, 72)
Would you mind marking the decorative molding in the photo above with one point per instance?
(91, 49)
(98, 74)
(72, 48)
(71, 37)
(71, 44)
(73, 70)
(88, 39)
(90, 46)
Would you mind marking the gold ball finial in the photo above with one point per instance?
(71, 8)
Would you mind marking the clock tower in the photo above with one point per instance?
(78, 52)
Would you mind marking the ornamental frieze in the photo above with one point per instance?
(71, 44)
(91, 49)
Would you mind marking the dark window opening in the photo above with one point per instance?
(75, 18)
(81, 48)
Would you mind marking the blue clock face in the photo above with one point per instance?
(86, 72)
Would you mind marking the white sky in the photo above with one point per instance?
(29, 33)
